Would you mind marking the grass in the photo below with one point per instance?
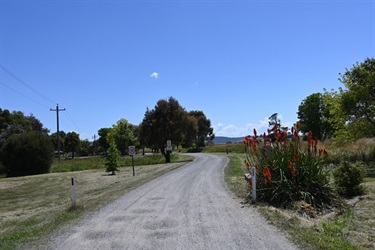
(34, 206)
(96, 162)
(351, 230)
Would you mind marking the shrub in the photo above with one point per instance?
(348, 178)
(286, 173)
(27, 154)
(113, 156)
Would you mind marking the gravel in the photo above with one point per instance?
(188, 208)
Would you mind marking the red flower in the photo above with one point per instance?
(277, 135)
(256, 167)
(269, 131)
(298, 126)
(255, 133)
(295, 158)
(251, 184)
(292, 170)
(264, 136)
(267, 173)
(310, 135)
(247, 164)
(290, 164)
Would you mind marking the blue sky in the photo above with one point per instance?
(237, 61)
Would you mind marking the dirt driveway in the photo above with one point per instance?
(188, 208)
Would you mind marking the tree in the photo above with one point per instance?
(205, 131)
(72, 142)
(16, 122)
(358, 100)
(62, 136)
(122, 133)
(102, 141)
(28, 153)
(113, 156)
(313, 115)
(167, 121)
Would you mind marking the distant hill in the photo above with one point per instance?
(223, 139)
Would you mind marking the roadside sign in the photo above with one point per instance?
(131, 150)
(169, 145)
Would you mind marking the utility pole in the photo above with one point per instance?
(58, 130)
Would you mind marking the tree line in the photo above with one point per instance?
(26, 147)
(345, 114)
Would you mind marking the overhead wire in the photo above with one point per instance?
(23, 95)
(26, 84)
(38, 93)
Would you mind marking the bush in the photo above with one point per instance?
(286, 173)
(348, 178)
(27, 154)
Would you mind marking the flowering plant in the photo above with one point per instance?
(287, 173)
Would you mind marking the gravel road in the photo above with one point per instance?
(188, 208)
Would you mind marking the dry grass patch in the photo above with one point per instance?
(35, 205)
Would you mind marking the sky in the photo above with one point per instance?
(237, 61)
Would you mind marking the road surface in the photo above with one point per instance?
(188, 208)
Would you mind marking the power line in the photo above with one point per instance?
(58, 129)
(25, 84)
(23, 95)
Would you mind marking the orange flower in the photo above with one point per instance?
(251, 184)
(255, 133)
(310, 135)
(290, 164)
(277, 135)
(265, 181)
(292, 170)
(295, 158)
(256, 167)
(267, 173)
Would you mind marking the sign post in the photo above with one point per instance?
(132, 153)
(74, 196)
(169, 150)
(254, 187)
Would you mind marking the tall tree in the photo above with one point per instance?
(358, 100)
(72, 142)
(205, 131)
(102, 141)
(113, 156)
(313, 115)
(53, 138)
(122, 133)
(167, 121)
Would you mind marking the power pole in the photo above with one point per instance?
(58, 130)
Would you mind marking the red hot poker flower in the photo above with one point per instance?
(255, 133)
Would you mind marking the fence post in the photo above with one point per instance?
(254, 187)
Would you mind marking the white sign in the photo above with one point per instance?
(169, 145)
(131, 150)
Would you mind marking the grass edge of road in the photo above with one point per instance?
(330, 233)
(30, 233)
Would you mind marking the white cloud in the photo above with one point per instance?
(154, 75)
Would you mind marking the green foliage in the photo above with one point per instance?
(348, 178)
(167, 121)
(122, 133)
(72, 142)
(27, 154)
(286, 173)
(205, 131)
(313, 114)
(113, 156)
